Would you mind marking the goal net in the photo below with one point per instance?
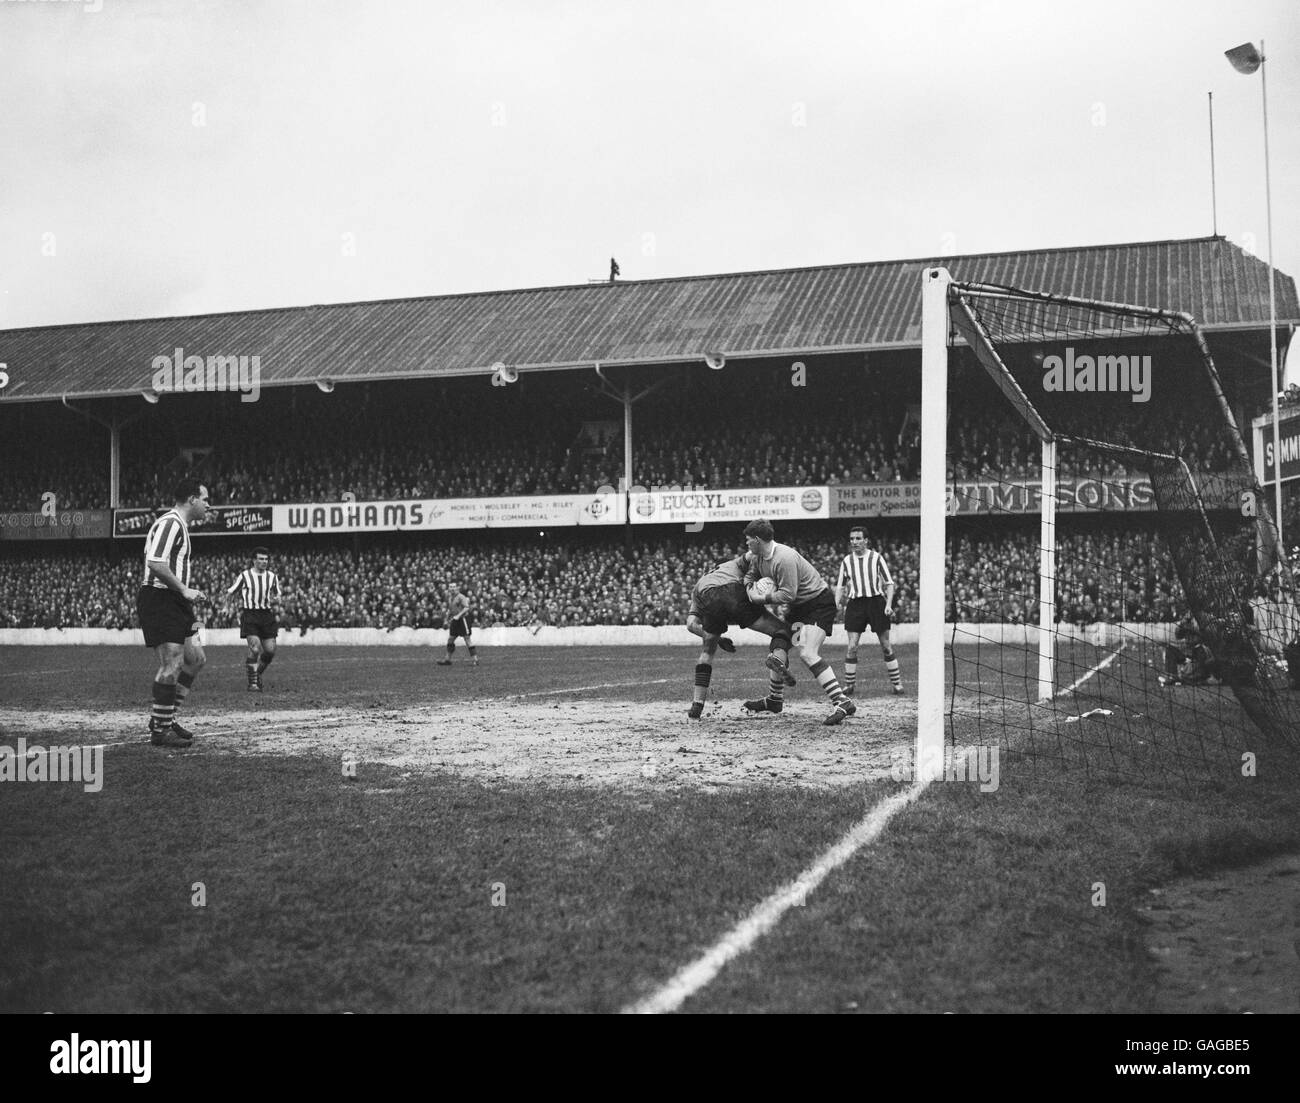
(1114, 593)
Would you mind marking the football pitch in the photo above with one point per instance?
(547, 831)
(598, 716)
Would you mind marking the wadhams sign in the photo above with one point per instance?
(555, 511)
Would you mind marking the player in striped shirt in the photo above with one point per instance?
(812, 614)
(165, 605)
(867, 588)
(258, 588)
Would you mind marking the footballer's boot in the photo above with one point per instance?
(898, 691)
(774, 664)
(726, 645)
(764, 704)
(844, 708)
(443, 662)
(848, 691)
(182, 732)
(167, 736)
(696, 710)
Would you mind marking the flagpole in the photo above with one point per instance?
(1214, 195)
(1246, 59)
(1272, 305)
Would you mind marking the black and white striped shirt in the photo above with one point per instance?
(169, 542)
(257, 588)
(867, 575)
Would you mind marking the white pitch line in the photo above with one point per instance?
(87, 746)
(763, 918)
(1095, 670)
(33, 673)
(583, 689)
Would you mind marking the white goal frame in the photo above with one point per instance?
(941, 314)
(937, 318)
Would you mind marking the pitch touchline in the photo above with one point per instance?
(763, 918)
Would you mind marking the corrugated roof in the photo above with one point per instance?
(866, 306)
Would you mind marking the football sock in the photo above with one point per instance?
(891, 665)
(850, 670)
(184, 681)
(473, 652)
(164, 706)
(703, 674)
(825, 675)
(267, 656)
(775, 686)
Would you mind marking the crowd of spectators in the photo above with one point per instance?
(549, 435)
(1104, 573)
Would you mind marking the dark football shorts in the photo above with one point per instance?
(819, 610)
(719, 607)
(165, 616)
(862, 611)
(258, 622)
(460, 626)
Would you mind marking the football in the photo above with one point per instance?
(763, 587)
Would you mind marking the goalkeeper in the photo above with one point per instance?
(1189, 661)
(796, 583)
(719, 600)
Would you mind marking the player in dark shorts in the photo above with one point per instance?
(258, 588)
(812, 609)
(261, 623)
(460, 625)
(165, 605)
(863, 611)
(718, 601)
(866, 589)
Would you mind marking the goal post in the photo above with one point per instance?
(930, 737)
(1126, 534)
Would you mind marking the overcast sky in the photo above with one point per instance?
(176, 157)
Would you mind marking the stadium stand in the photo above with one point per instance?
(518, 581)
(446, 440)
